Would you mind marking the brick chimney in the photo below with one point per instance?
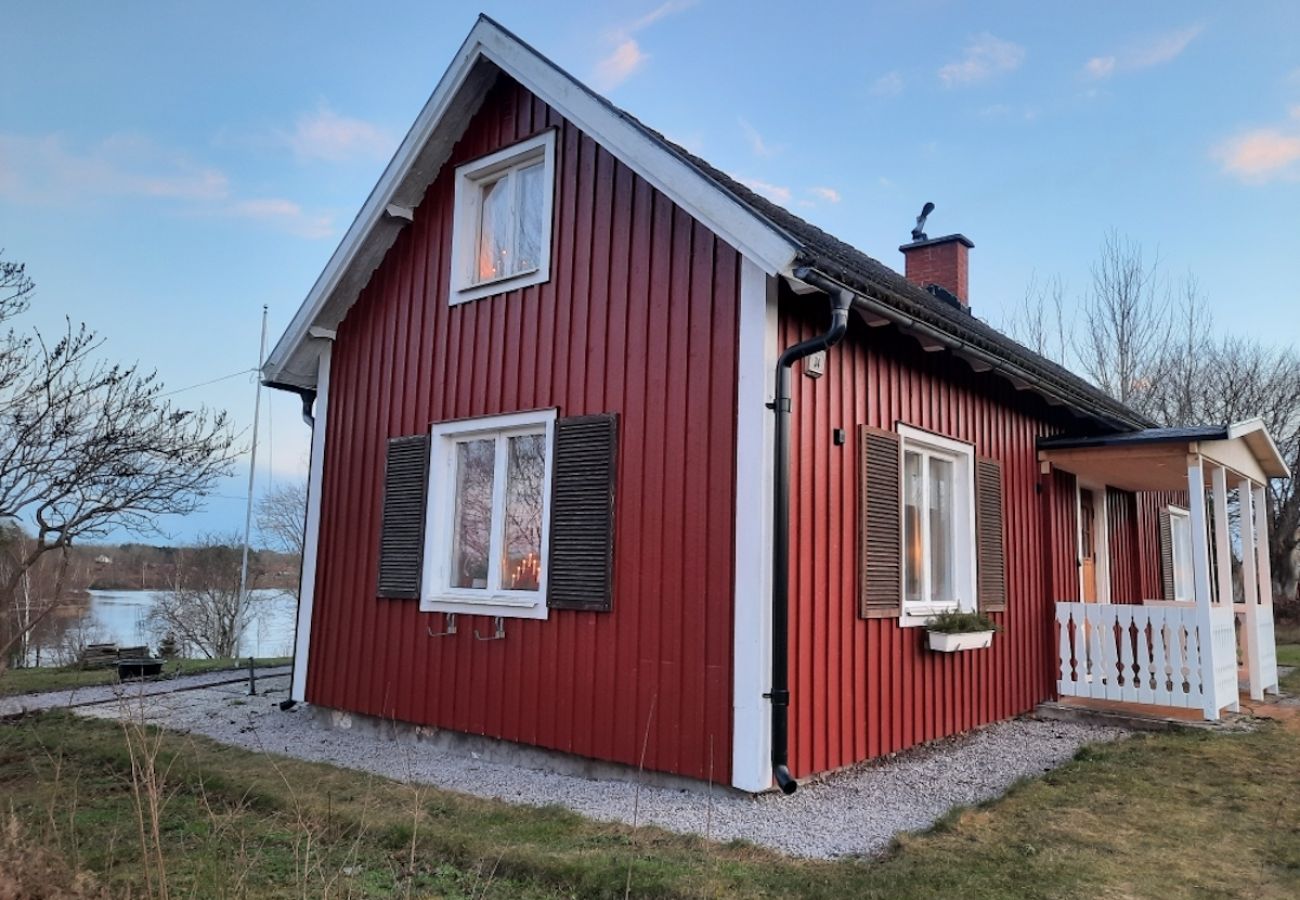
(940, 265)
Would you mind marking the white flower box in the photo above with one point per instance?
(943, 642)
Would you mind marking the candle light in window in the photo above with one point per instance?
(525, 573)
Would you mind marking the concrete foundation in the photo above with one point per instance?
(500, 752)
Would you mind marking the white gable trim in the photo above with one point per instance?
(428, 144)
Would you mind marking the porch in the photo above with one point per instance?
(1211, 626)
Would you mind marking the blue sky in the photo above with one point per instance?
(166, 169)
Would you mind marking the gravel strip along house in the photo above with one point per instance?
(614, 458)
(853, 813)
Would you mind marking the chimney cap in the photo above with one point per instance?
(929, 242)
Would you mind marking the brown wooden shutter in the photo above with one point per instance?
(1166, 553)
(880, 511)
(991, 572)
(401, 539)
(583, 473)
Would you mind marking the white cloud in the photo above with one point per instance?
(756, 143)
(46, 171)
(283, 214)
(616, 68)
(326, 135)
(1262, 155)
(1154, 51)
(829, 194)
(985, 57)
(888, 85)
(627, 57)
(773, 192)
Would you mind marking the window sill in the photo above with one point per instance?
(917, 616)
(503, 605)
(499, 285)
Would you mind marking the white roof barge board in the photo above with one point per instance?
(488, 50)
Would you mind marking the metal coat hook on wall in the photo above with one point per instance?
(500, 630)
(448, 628)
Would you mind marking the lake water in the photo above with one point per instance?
(121, 617)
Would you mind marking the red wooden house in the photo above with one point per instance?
(550, 370)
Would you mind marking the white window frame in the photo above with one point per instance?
(1176, 553)
(438, 594)
(962, 455)
(468, 211)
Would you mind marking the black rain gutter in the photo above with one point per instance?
(841, 299)
(969, 350)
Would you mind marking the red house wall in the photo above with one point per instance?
(864, 688)
(639, 318)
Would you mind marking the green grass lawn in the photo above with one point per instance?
(31, 681)
(1160, 815)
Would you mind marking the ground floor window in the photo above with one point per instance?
(938, 525)
(488, 515)
(1180, 532)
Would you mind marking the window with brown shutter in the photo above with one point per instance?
(401, 540)
(582, 513)
(991, 577)
(880, 549)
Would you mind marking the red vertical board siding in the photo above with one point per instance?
(640, 318)
(1122, 546)
(865, 688)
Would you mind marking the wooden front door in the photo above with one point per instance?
(1088, 545)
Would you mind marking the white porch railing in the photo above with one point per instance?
(1154, 655)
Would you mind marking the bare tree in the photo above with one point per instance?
(206, 611)
(1125, 321)
(1043, 322)
(282, 516)
(87, 446)
(1152, 346)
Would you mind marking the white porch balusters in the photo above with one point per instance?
(1222, 539)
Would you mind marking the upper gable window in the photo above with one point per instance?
(502, 233)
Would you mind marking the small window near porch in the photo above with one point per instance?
(502, 230)
(1180, 530)
(938, 525)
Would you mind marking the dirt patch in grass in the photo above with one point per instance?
(1181, 814)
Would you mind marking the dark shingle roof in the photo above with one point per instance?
(853, 268)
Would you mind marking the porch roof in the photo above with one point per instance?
(1155, 459)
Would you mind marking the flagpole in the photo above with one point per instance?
(252, 465)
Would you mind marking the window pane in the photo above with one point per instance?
(472, 530)
(913, 551)
(494, 231)
(528, 244)
(521, 560)
(942, 551)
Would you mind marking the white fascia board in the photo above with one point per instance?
(756, 239)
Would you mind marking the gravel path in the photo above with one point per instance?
(102, 693)
(854, 812)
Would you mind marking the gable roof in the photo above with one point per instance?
(769, 235)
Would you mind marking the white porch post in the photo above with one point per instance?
(1263, 565)
(1201, 582)
(1222, 539)
(1250, 588)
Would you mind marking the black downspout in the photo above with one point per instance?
(841, 299)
